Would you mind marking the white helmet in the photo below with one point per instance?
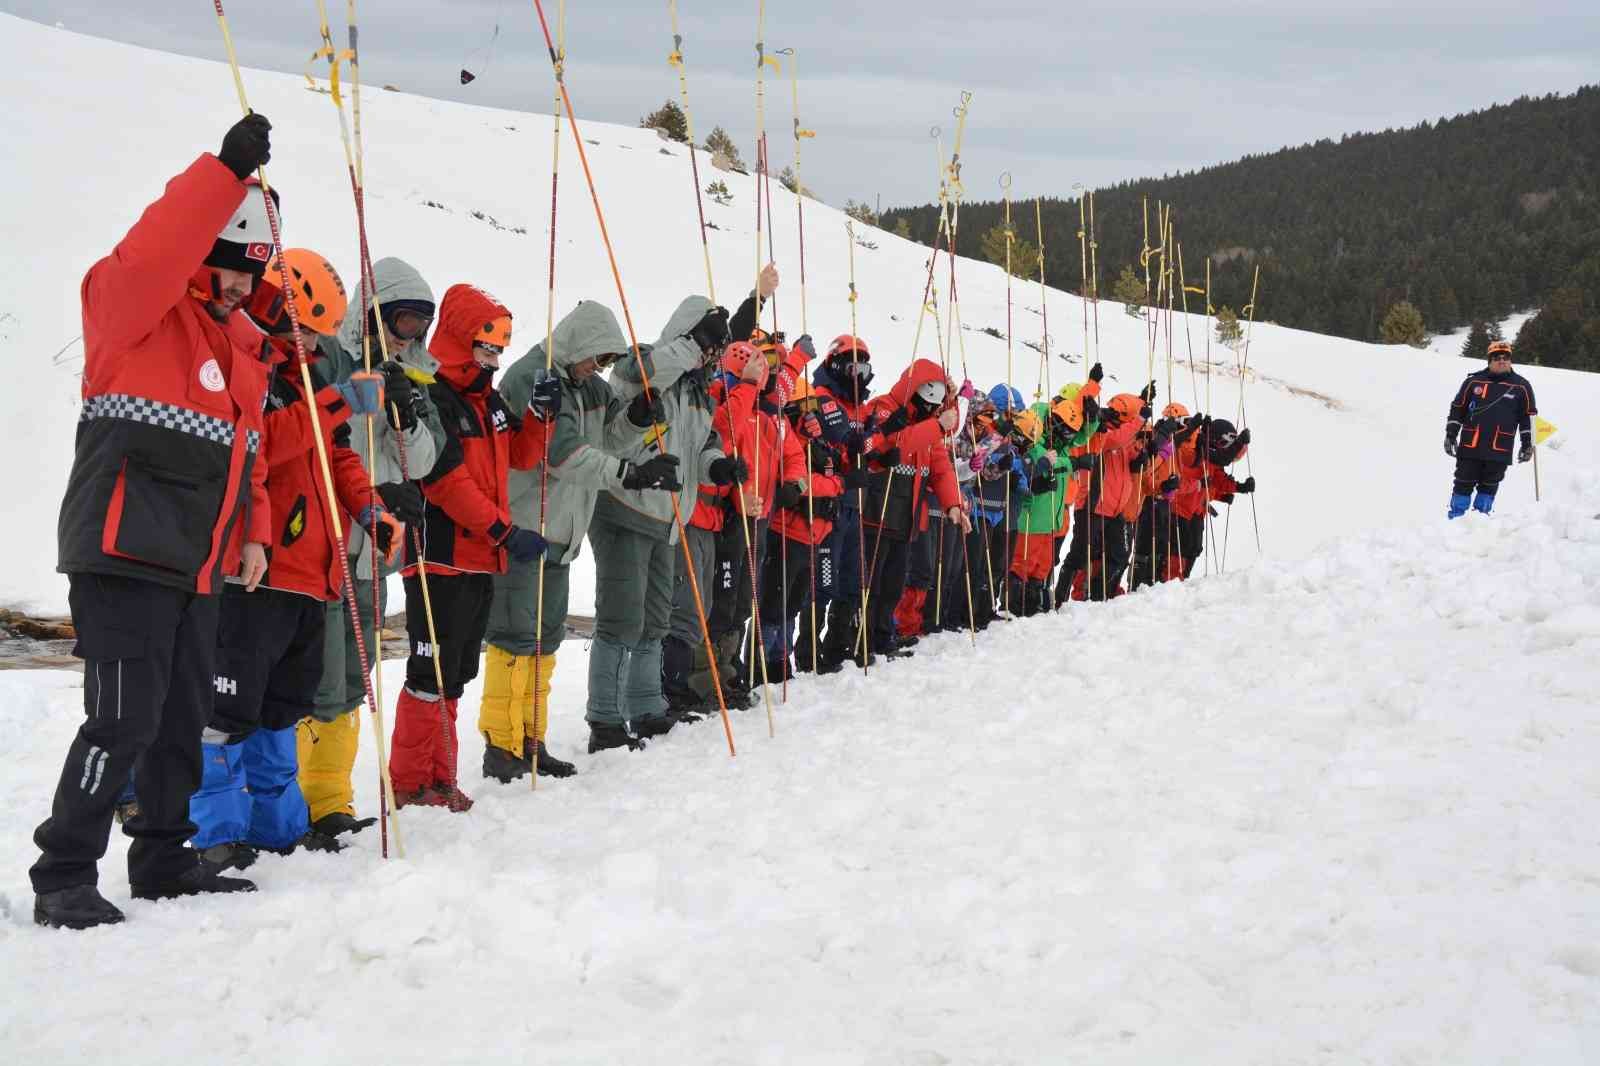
(932, 392)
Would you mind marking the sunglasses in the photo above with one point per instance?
(409, 325)
(603, 361)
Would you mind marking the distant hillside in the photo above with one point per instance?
(1469, 218)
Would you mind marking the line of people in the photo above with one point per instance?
(820, 524)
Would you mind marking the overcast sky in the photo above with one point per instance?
(1058, 98)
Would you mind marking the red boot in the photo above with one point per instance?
(445, 760)
(411, 752)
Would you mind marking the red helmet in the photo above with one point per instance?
(737, 354)
(845, 344)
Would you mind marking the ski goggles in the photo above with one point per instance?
(601, 362)
(409, 325)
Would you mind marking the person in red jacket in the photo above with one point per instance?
(165, 497)
(905, 449)
(270, 642)
(844, 377)
(1203, 479)
(803, 508)
(467, 535)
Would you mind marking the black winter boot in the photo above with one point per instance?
(198, 880)
(235, 856)
(1035, 598)
(502, 766)
(602, 737)
(341, 822)
(547, 764)
(78, 907)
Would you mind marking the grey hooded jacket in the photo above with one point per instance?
(394, 279)
(591, 434)
(675, 376)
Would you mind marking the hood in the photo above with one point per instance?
(588, 330)
(919, 373)
(394, 279)
(685, 318)
(1128, 406)
(462, 314)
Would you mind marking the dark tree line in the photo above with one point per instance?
(1469, 219)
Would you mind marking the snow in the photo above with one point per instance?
(1331, 806)
(1450, 343)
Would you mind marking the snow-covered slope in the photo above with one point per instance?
(1359, 443)
(1333, 807)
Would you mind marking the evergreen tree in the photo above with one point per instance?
(902, 228)
(718, 191)
(719, 143)
(669, 119)
(1403, 325)
(1024, 256)
(1130, 291)
(1477, 343)
(1229, 332)
(861, 212)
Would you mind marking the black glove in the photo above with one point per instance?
(1096, 373)
(1167, 427)
(899, 419)
(1248, 485)
(888, 457)
(1091, 409)
(1449, 444)
(1082, 462)
(646, 410)
(855, 442)
(711, 332)
(1148, 393)
(803, 342)
(246, 146)
(1144, 412)
(545, 403)
(1110, 417)
(822, 456)
(400, 397)
(523, 545)
(1526, 451)
(1039, 484)
(1243, 438)
(1171, 484)
(834, 422)
(658, 473)
(728, 471)
(824, 506)
(855, 480)
(788, 495)
(403, 500)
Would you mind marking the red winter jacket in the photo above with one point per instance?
(301, 555)
(1112, 485)
(165, 484)
(796, 522)
(923, 458)
(734, 407)
(468, 508)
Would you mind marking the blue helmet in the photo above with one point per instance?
(1005, 398)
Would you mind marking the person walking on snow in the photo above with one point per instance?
(468, 534)
(394, 318)
(270, 642)
(1491, 409)
(166, 496)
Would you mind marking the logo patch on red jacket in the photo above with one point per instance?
(295, 527)
(258, 251)
(211, 378)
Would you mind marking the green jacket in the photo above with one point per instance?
(591, 433)
(395, 279)
(1041, 513)
(674, 366)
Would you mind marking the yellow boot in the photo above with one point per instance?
(327, 753)
(549, 765)
(504, 713)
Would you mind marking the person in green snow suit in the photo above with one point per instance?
(591, 449)
(635, 530)
(326, 742)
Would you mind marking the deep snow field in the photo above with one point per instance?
(1335, 805)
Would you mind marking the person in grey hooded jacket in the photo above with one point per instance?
(327, 741)
(589, 452)
(635, 532)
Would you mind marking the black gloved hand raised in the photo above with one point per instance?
(1039, 484)
(803, 342)
(1148, 393)
(1243, 438)
(646, 410)
(1248, 485)
(400, 396)
(545, 403)
(403, 499)
(1096, 373)
(1091, 409)
(788, 495)
(711, 332)
(1171, 484)
(246, 146)
(658, 473)
(728, 471)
